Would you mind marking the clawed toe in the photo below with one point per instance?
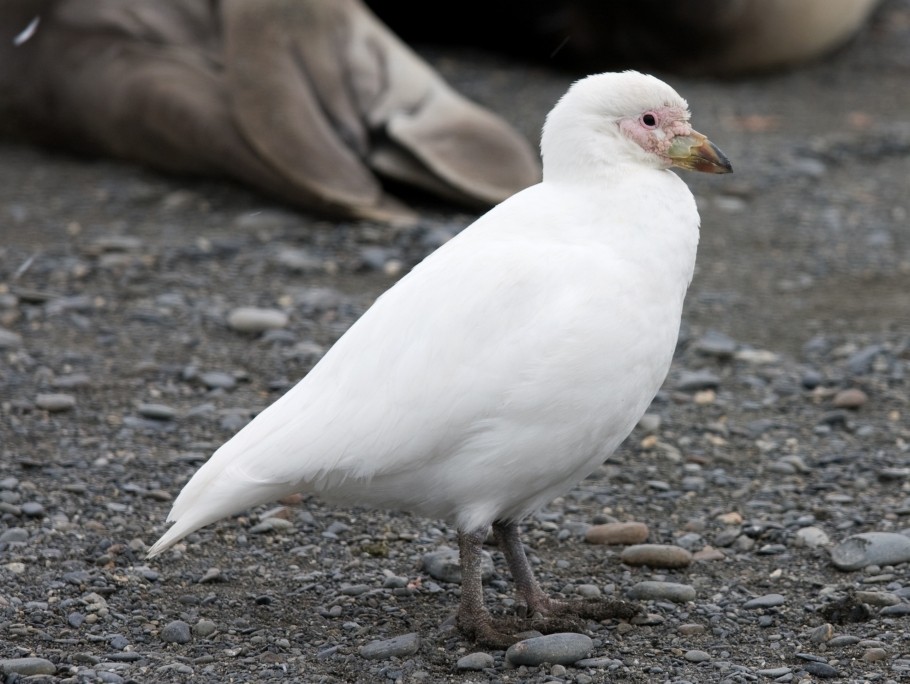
(559, 616)
(498, 634)
(597, 609)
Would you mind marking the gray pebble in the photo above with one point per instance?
(75, 619)
(822, 670)
(588, 590)
(271, 525)
(118, 642)
(9, 339)
(715, 343)
(821, 634)
(71, 381)
(843, 640)
(475, 661)
(218, 380)
(27, 666)
(861, 362)
(400, 646)
(14, 534)
(691, 381)
(810, 537)
(32, 509)
(354, 589)
(896, 609)
(696, 656)
(873, 598)
(299, 260)
(649, 423)
(775, 672)
(691, 629)
(176, 632)
(204, 628)
(157, 411)
(250, 319)
(394, 582)
(211, 575)
(661, 591)
(874, 655)
(691, 541)
(443, 565)
(871, 548)
(563, 649)
(766, 601)
(598, 662)
(109, 677)
(55, 402)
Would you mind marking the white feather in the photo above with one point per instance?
(508, 364)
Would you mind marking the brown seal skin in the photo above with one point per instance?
(707, 37)
(313, 101)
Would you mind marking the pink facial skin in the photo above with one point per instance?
(656, 137)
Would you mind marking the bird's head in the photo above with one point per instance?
(614, 120)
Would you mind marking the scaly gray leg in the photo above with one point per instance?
(544, 611)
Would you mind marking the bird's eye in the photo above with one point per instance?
(649, 120)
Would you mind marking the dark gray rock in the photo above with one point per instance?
(400, 646)
(176, 632)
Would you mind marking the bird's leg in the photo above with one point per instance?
(554, 615)
(510, 544)
(473, 619)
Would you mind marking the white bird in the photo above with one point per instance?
(511, 362)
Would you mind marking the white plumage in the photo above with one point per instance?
(512, 361)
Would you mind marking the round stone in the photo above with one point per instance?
(32, 509)
(204, 628)
(475, 661)
(811, 537)
(588, 590)
(874, 655)
(176, 632)
(656, 556)
(563, 649)
(623, 533)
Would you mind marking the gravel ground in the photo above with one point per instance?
(782, 431)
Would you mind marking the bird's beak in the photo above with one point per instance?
(696, 153)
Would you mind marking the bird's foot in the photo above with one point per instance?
(549, 617)
(589, 609)
(492, 633)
